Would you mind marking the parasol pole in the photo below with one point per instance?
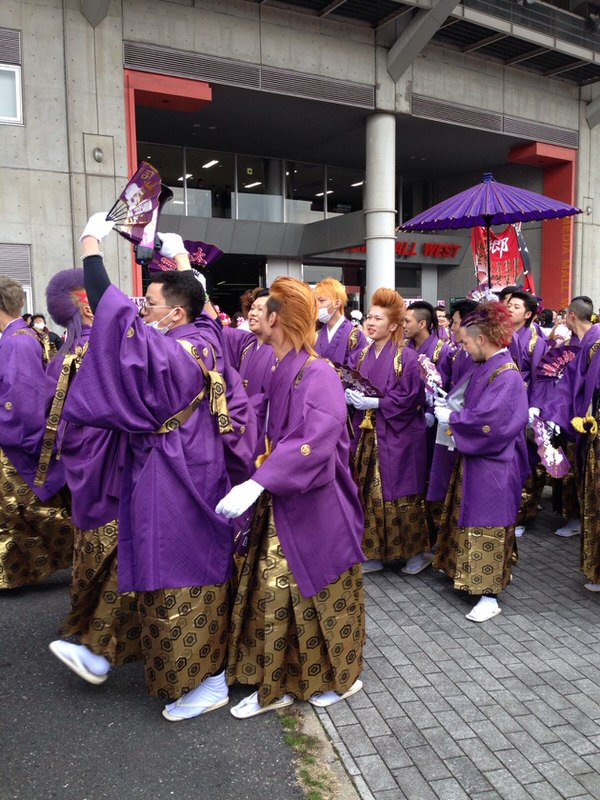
(488, 222)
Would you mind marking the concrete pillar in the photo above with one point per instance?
(380, 193)
(276, 267)
(429, 283)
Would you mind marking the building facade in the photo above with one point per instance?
(297, 136)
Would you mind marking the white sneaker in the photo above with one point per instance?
(519, 530)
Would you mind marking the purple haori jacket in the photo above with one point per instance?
(343, 348)
(399, 421)
(317, 512)
(486, 431)
(532, 347)
(93, 460)
(25, 394)
(439, 353)
(133, 379)
(575, 391)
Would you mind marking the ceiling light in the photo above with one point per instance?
(252, 185)
(320, 194)
(210, 164)
(188, 175)
(358, 183)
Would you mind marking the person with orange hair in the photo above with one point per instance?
(476, 536)
(338, 340)
(297, 625)
(390, 433)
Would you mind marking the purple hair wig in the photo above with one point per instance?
(61, 306)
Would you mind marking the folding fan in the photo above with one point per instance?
(201, 254)
(135, 212)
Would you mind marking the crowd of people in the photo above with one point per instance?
(219, 491)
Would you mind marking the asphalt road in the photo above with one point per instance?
(63, 738)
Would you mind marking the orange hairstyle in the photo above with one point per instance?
(296, 306)
(493, 321)
(332, 289)
(395, 307)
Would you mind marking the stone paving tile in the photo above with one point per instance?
(508, 710)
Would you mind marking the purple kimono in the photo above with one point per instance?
(532, 347)
(93, 460)
(485, 432)
(25, 396)
(345, 346)
(317, 512)
(399, 421)
(133, 379)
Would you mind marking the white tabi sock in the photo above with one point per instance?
(210, 695)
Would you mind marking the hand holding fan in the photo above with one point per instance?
(135, 212)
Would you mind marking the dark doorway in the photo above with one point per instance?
(230, 276)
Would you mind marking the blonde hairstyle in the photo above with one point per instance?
(395, 308)
(12, 296)
(332, 289)
(296, 306)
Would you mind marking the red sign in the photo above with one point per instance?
(505, 256)
(409, 248)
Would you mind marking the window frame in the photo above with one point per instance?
(16, 70)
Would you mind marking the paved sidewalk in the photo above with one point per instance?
(453, 710)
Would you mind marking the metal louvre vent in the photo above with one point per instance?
(429, 108)
(15, 261)
(541, 132)
(10, 46)
(149, 58)
(315, 88)
(190, 65)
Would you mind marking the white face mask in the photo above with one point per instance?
(324, 315)
(39, 326)
(156, 324)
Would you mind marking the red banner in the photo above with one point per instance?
(505, 256)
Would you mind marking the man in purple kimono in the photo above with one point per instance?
(298, 618)
(475, 543)
(574, 409)
(254, 360)
(421, 329)
(36, 535)
(156, 376)
(338, 340)
(445, 453)
(105, 620)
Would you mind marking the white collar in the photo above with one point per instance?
(331, 333)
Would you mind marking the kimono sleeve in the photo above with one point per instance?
(498, 418)
(305, 457)
(133, 378)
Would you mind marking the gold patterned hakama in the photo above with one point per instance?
(284, 642)
(590, 512)
(183, 636)
(478, 559)
(36, 538)
(106, 621)
(393, 529)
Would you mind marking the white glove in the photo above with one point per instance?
(442, 414)
(361, 401)
(199, 277)
(97, 226)
(440, 402)
(239, 499)
(348, 397)
(429, 399)
(172, 244)
(533, 412)
(429, 419)
(553, 427)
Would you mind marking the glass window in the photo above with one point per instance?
(11, 108)
(169, 162)
(259, 186)
(344, 190)
(304, 192)
(210, 182)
